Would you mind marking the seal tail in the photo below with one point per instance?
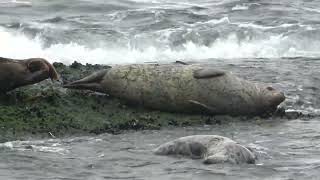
(91, 82)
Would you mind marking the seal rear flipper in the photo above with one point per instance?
(92, 82)
(208, 73)
(203, 107)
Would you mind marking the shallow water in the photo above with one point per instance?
(287, 150)
(265, 41)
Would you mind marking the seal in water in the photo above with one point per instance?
(183, 88)
(213, 149)
(16, 73)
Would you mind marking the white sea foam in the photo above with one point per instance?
(310, 9)
(15, 2)
(256, 26)
(9, 3)
(211, 22)
(38, 146)
(240, 7)
(262, 27)
(17, 45)
(21, 2)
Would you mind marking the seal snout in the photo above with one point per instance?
(277, 96)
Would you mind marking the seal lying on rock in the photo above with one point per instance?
(213, 149)
(183, 88)
(17, 73)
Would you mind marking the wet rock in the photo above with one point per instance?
(46, 107)
(76, 65)
(293, 115)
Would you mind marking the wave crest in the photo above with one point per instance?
(18, 45)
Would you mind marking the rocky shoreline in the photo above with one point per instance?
(48, 110)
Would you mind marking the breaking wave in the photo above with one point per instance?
(15, 44)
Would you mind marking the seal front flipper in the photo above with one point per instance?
(203, 107)
(208, 73)
(92, 82)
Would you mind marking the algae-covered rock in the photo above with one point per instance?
(47, 109)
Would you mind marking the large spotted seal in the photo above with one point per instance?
(212, 148)
(16, 73)
(183, 88)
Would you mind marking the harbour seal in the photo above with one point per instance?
(183, 88)
(16, 73)
(212, 148)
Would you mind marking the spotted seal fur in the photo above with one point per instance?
(183, 88)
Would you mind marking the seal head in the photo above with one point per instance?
(17, 73)
(270, 98)
(40, 69)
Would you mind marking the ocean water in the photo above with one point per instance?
(134, 31)
(269, 41)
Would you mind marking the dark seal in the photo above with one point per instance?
(16, 73)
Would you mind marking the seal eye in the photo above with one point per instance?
(270, 88)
